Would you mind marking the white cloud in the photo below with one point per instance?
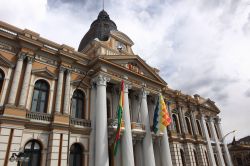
(200, 46)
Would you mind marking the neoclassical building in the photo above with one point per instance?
(58, 105)
(240, 151)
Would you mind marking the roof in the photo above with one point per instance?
(100, 29)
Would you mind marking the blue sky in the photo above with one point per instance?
(200, 47)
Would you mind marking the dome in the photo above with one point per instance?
(100, 29)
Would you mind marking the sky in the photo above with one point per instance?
(200, 46)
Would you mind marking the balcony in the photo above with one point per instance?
(80, 122)
(38, 116)
(112, 126)
(138, 130)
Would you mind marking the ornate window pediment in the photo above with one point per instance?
(44, 73)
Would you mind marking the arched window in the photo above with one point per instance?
(1, 79)
(32, 152)
(76, 155)
(199, 127)
(188, 125)
(78, 104)
(208, 130)
(195, 158)
(183, 160)
(40, 97)
(108, 109)
(176, 123)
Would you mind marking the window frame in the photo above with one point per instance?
(38, 101)
(76, 99)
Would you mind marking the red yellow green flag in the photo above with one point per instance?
(119, 118)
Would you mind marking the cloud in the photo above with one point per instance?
(247, 93)
(199, 46)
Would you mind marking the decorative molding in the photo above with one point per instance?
(7, 47)
(44, 73)
(5, 62)
(46, 60)
(101, 80)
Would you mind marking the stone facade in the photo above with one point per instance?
(60, 104)
(240, 151)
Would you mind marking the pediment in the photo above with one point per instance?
(79, 82)
(5, 62)
(211, 105)
(44, 73)
(136, 65)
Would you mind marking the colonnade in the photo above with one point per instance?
(99, 151)
(99, 147)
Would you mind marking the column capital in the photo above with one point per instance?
(30, 59)
(210, 119)
(101, 80)
(62, 69)
(217, 120)
(144, 93)
(68, 71)
(127, 86)
(21, 56)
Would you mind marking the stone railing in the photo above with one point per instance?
(113, 123)
(137, 126)
(39, 116)
(138, 130)
(80, 122)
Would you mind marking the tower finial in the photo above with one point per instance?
(103, 4)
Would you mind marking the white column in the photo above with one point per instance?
(59, 90)
(195, 130)
(182, 120)
(217, 143)
(227, 155)
(171, 126)
(16, 79)
(101, 141)
(26, 81)
(165, 150)
(51, 96)
(5, 86)
(209, 146)
(147, 144)
(30, 94)
(127, 144)
(93, 128)
(139, 161)
(67, 93)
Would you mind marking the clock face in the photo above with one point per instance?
(121, 46)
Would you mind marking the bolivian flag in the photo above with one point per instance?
(119, 118)
(161, 116)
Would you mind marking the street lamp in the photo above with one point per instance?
(20, 157)
(70, 112)
(223, 138)
(228, 158)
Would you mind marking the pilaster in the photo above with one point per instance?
(26, 81)
(16, 79)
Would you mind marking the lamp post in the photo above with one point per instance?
(223, 138)
(20, 157)
(70, 111)
(228, 158)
